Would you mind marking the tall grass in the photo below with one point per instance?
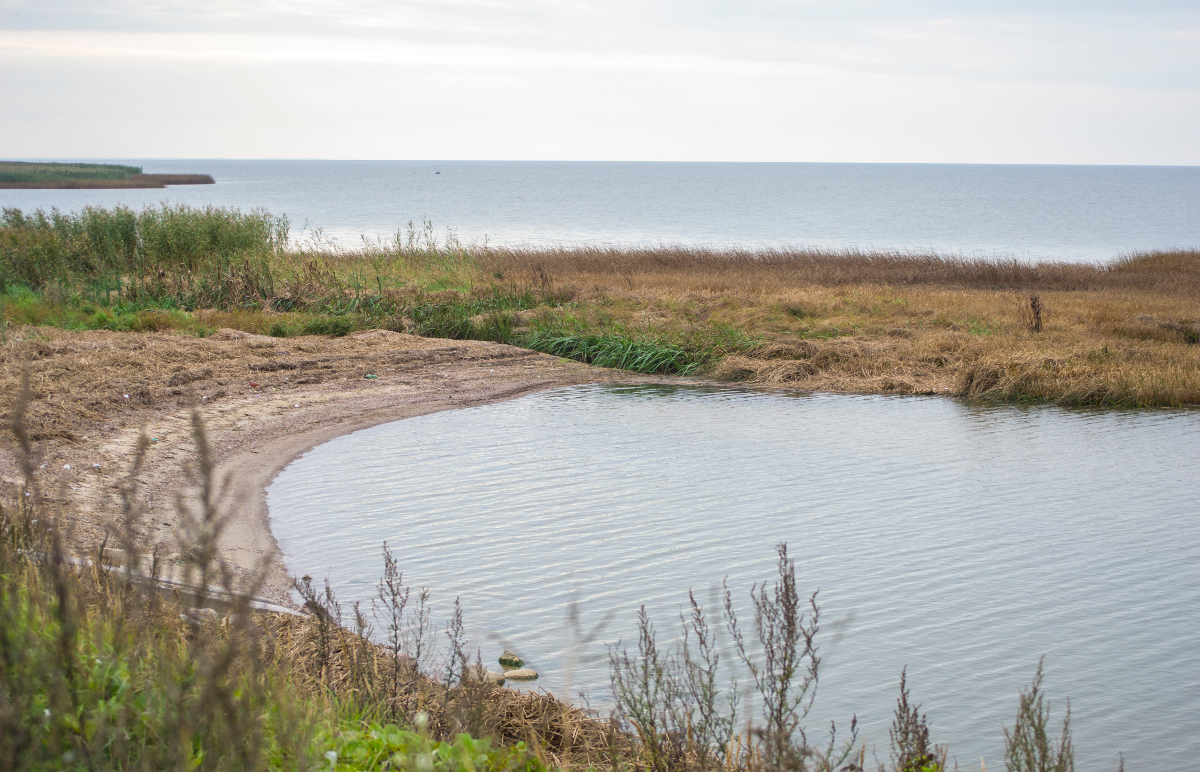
(196, 257)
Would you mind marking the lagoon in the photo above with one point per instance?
(961, 540)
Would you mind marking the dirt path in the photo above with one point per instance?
(263, 401)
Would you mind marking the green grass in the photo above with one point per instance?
(639, 355)
(355, 746)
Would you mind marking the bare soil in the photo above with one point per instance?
(263, 402)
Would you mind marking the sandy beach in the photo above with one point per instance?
(263, 401)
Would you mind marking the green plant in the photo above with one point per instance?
(1028, 747)
(371, 746)
(98, 674)
(912, 750)
(640, 355)
(335, 326)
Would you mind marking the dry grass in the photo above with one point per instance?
(80, 378)
(346, 663)
(725, 270)
(1123, 334)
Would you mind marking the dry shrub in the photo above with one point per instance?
(766, 372)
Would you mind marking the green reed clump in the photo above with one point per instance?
(198, 257)
(618, 350)
(335, 326)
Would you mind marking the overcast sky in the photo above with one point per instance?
(755, 80)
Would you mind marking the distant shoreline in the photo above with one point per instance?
(58, 176)
(136, 181)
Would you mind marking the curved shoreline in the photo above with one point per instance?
(252, 470)
(255, 417)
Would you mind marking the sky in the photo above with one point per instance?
(1072, 82)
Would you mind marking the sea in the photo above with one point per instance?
(1035, 213)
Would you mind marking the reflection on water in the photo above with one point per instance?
(963, 541)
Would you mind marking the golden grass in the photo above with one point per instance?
(1122, 334)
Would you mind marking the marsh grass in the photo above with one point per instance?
(639, 355)
(1121, 334)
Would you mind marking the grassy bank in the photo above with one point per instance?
(1121, 334)
(19, 174)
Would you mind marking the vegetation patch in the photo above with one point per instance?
(883, 322)
(20, 174)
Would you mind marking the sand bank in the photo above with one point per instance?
(264, 401)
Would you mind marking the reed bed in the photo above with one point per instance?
(706, 269)
(1120, 333)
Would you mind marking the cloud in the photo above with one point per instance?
(705, 79)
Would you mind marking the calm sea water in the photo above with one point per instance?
(1034, 212)
(962, 541)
